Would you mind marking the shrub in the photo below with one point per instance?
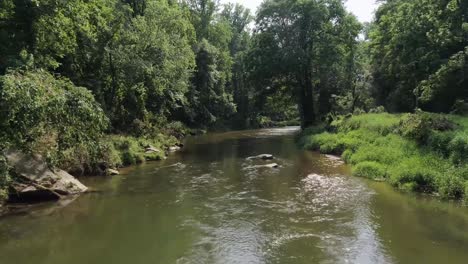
(358, 111)
(378, 110)
(4, 178)
(451, 186)
(416, 171)
(420, 125)
(440, 141)
(370, 169)
(347, 155)
(176, 129)
(36, 107)
(376, 153)
(416, 127)
(391, 147)
(381, 123)
(458, 148)
(128, 158)
(460, 107)
(466, 192)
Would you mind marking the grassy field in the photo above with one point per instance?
(419, 152)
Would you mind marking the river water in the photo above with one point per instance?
(209, 204)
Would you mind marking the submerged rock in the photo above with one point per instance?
(36, 181)
(262, 157)
(267, 166)
(272, 165)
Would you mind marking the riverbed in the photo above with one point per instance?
(209, 203)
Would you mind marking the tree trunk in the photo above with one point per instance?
(306, 99)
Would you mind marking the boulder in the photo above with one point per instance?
(174, 149)
(262, 157)
(272, 165)
(36, 181)
(112, 172)
(267, 166)
(150, 149)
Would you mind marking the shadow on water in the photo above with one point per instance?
(210, 204)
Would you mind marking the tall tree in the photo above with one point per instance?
(414, 41)
(298, 45)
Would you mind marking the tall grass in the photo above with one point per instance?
(418, 152)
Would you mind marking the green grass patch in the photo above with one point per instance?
(419, 152)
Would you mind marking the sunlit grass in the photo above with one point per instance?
(375, 147)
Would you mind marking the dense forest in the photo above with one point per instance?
(84, 82)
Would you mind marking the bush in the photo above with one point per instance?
(176, 129)
(415, 173)
(4, 178)
(440, 141)
(347, 155)
(37, 108)
(451, 186)
(370, 169)
(381, 123)
(458, 148)
(466, 192)
(416, 127)
(378, 110)
(132, 150)
(421, 125)
(417, 152)
(460, 107)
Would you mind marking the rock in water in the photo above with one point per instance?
(150, 149)
(37, 182)
(112, 172)
(174, 149)
(267, 166)
(262, 157)
(272, 165)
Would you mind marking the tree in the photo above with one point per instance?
(239, 19)
(410, 42)
(41, 112)
(210, 96)
(298, 45)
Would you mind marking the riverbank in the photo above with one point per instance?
(419, 152)
(105, 158)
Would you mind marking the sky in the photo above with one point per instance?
(363, 9)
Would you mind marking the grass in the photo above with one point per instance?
(414, 152)
(115, 151)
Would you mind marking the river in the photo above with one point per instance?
(210, 204)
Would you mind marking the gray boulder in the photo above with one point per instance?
(262, 157)
(174, 149)
(150, 149)
(36, 181)
(266, 166)
(112, 172)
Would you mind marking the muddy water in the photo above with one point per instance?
(209, 204)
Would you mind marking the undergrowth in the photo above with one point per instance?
(419, 152)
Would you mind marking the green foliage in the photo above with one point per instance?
(4, 178)
(420, 126)
(458, 148)
(288, 54)
(389, 147)
(150, 66)
(382, 123)
(41, 112)
(370, 169)
(132, 150)
(418, 51)
(209, 97)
